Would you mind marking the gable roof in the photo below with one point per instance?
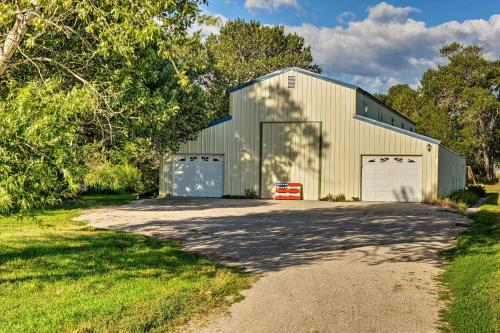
(287, 69)
(317, 76)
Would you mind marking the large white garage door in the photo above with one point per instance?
(392, 178)
(198, 175)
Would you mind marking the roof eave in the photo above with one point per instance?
(397, 129)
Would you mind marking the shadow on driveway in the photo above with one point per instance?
(265, 236)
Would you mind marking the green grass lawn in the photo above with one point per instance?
(61, 275)
(473, 276)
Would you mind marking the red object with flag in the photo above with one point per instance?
(288, 191)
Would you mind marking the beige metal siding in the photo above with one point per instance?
(291, 153)
(452, 173)
(344, 139)
(378, 111)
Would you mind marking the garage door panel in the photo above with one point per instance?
(391, 178)
(198, 176)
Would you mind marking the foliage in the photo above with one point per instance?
(72, 277)
(480, 190)
(458, 103)
(355, 199)
(447, 203)
(139, 155)
(39, 144)
(127, 71)
(473, 277)
(467, 197)
(108, 178)
(403, 98)
(243, 51)
(334, 198)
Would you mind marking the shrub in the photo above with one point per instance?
(334, 198)
(464, 196)
(478, 189)
(355, 199)
(108, 178)
(445, 202)
(39, 145)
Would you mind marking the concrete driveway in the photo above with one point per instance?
(326, 267)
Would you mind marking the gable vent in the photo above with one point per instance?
(291, 81)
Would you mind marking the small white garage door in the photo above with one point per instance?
(198, 175)
(392, 178)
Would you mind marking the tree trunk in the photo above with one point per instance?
(14, 37)
(489, 165)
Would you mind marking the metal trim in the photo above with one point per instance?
(219, 121)
(260, 158)
(397, 129)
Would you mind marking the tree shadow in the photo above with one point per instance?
(124, 255)
(405, 194)
(286, 236)
(275, 141)
(174, 204)
(291, 143)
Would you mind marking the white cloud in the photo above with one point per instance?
(389, 47)
(346, 17)
(270, 5)
(205, 29)
(384, 13)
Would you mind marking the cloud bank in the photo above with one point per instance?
(270, 5)
(388, 47)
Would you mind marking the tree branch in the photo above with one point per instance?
(14, 38)
(31, 61)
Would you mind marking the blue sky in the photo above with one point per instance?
(375, 44)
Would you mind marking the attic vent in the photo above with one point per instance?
(291, 81)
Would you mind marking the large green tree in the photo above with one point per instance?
(403, 98)
(110, 73)
(458, 103)
(115, 48)
(243, 51)
(467, 89)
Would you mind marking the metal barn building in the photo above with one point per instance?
(296, 126)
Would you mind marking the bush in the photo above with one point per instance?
(334, 198)
(39, 145)
(478, 189)
(467, 197)
(108, 178)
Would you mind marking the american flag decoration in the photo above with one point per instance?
(288, 191)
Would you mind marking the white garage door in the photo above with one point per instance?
(198, 175)
(392, 178)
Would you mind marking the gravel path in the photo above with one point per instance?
(325, 267)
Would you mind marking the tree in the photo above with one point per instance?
(467, 89)
(458, 103)
(98, 44)
(403, 98)
(243, 51)
(39, 144)
(134, 62)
